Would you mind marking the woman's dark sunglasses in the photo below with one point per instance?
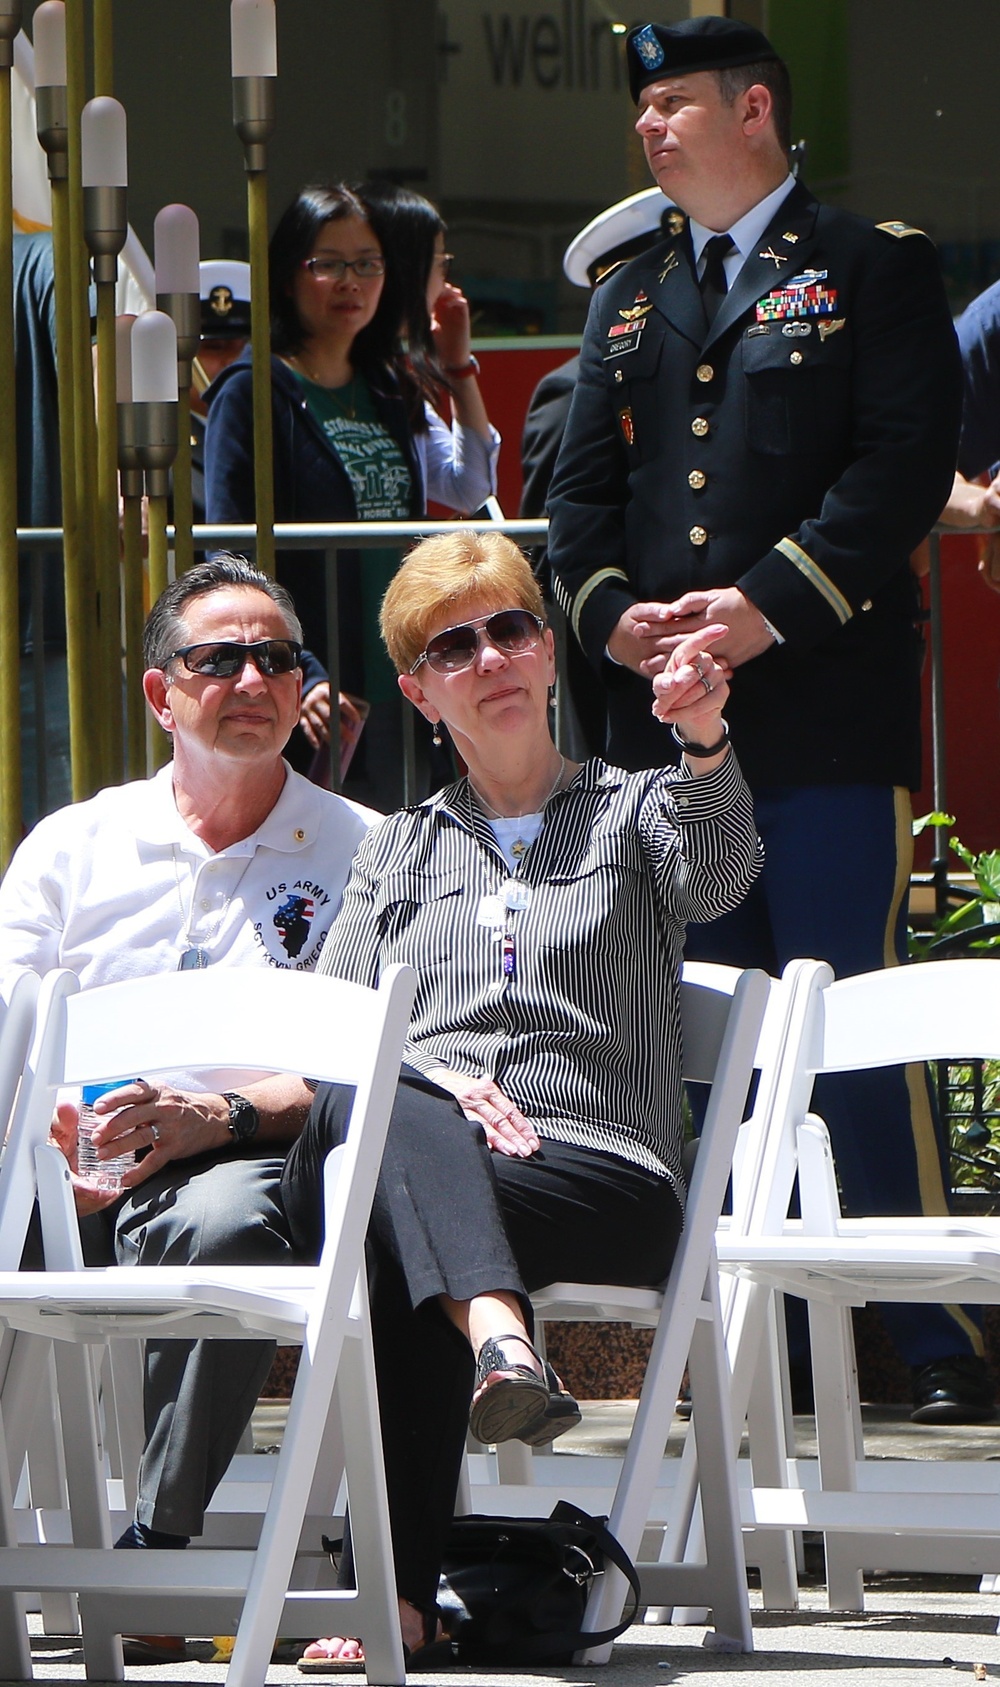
(223, 661)
(514, 631)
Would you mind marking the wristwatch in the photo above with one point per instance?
(244, 1118)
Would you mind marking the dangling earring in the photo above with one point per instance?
(436, 738)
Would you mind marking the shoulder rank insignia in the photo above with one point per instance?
(676, 222)
(900, 230)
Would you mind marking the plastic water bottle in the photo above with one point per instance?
(102, 1174)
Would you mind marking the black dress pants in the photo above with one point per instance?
(452, 1218)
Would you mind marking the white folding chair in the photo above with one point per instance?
(27, 1400)
(249, 1019)
(723, 1011)
(892, 1514)
(17, 1025)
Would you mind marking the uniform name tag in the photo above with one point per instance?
(629, 339)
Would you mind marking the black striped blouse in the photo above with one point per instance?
(585, 1035)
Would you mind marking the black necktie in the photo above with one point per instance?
(713, 283)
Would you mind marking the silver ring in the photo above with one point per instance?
(699, 670)
(154, 1131)
(708, 687)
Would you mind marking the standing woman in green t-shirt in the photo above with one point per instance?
(348, 412)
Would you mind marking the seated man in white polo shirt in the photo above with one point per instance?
(226, 857)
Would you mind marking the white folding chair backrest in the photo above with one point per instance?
(17, 1025)
(233, 1018)
(17, 1030)
(936, 1010)
(764, 1167)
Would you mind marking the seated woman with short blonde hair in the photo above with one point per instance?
(537, 1129)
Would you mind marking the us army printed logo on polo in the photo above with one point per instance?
(292, 931)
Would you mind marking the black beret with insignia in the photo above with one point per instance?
(656, 50)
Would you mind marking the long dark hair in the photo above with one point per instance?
(374, 350)
(407, 227)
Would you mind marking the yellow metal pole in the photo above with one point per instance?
(85, 429)
(77, 606)
(108, 563)
(135, 614)
(157, 547)
(104, 62)
(260, 333)
(255, 63)
(183, 506)
(157, 584)
(10, 653)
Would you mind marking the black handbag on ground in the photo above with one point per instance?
(513, 1590)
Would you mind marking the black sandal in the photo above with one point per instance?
(520, 1405)
(561, 1413)
(435, 1650)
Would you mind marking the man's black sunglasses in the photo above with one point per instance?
(223, 661)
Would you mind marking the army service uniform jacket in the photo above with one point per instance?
(799, 449)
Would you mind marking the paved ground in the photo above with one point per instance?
(913, 1634)
(916, 1631)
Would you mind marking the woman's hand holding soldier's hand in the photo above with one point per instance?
(693, 688)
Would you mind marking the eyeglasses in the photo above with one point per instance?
(334, 269)
(223, 661)
(514, 631)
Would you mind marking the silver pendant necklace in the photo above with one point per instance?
(520, 846)
(514, 896)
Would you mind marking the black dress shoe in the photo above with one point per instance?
(957, 1389)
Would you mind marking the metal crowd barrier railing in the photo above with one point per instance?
(333, 537)
(329, 537)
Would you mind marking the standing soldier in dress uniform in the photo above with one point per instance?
(609, 240)
(764, 428)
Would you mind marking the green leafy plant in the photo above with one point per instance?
(968, 1094)
(972, 926)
